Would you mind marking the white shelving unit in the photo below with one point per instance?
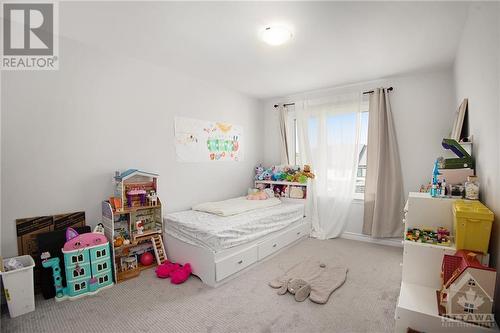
(304, 186)
(421, 277)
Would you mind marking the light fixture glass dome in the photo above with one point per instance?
(276, 35)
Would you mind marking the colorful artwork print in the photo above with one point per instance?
(201, 141)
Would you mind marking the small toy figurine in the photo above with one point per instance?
(139, 225)
(152, 198)
(99, 229)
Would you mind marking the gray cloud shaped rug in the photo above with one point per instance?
(311, 278)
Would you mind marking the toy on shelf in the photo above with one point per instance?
(152, 198)
(146, 259)
(139, 226)
(133, 220)
(441, 236)
(87, 263)
(436, 188)
(463, 159)
(467, 289)
(128, 263)
(284, 173)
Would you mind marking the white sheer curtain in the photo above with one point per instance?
(284, 135)
(328, 136)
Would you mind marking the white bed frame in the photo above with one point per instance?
(216, 268)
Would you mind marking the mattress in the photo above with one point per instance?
(222, 232)
(235, 206)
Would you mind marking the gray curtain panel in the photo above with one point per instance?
(384, 194)
(283, 120)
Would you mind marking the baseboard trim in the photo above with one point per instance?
(365, 238)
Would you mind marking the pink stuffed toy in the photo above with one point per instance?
(165, 270)
(181, 274)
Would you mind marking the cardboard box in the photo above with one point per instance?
(28, 229)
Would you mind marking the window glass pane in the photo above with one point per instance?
(341, 129)
(313, 132)
(363, 146)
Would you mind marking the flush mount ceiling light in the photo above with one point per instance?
(276, 35)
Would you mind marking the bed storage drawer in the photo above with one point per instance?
(274, 244)
(235, 263)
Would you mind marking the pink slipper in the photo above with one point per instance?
(165, 270)
(180, 275)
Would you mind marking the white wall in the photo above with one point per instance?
(477, 75)
(423, 106)
(65, 132)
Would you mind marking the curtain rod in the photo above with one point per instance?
(364, 93)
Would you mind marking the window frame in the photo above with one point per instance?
(293, 148)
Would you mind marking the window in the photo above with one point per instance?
(78, 272)
(80, 286)
(469, 307)
(100, 253)
(363, 147)
(76, 259)
(102, 266)
(103, 279)
(335, 124)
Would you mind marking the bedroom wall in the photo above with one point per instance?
(423, 105)
(477, 75)
(65, 132)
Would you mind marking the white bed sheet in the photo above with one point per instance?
(235, 206)
(222, 232)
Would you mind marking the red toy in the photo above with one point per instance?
(146, 259)
(163, 271)
(180, 275)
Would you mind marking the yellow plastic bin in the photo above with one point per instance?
(472, 222)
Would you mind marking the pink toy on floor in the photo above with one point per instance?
(164, 270)
(180, 275)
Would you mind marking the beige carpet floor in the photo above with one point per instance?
(365, 303)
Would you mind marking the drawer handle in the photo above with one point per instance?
(240, 262)
(274, 245)
(298, 233)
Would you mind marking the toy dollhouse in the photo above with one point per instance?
(468, 286)
(133, 220)
(87, 263)
(133, 187)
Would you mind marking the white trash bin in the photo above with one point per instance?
(19, 287)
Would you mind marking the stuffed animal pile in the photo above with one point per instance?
(287, 173)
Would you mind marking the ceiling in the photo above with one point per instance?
(334, 43)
